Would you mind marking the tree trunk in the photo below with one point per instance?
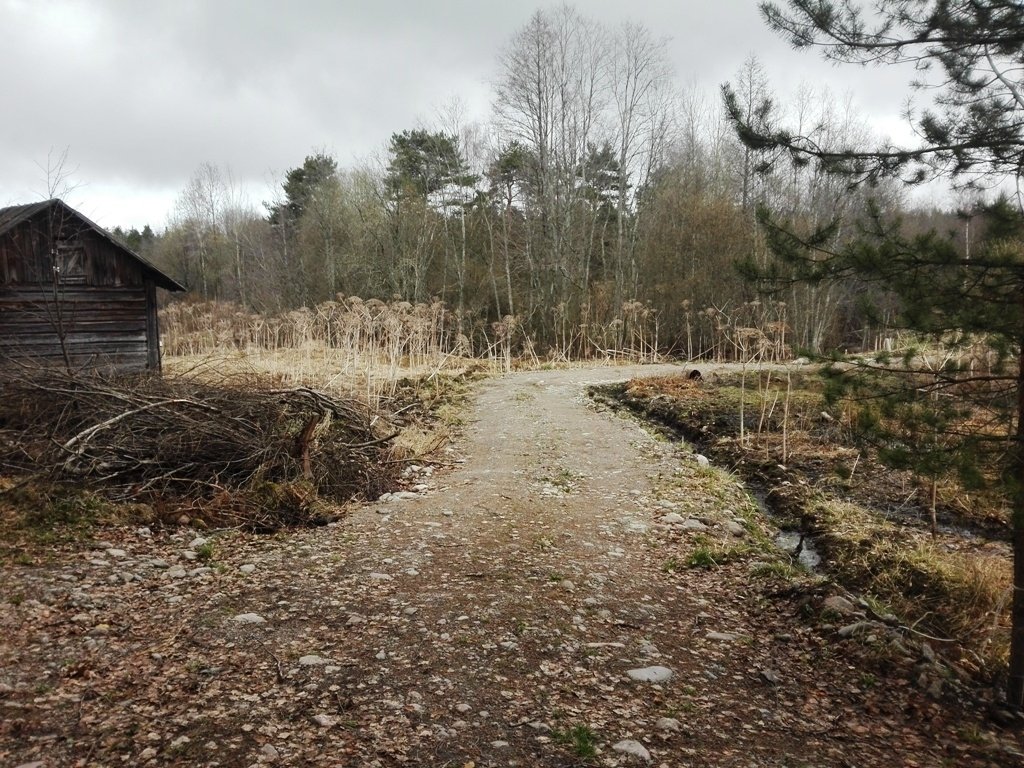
(1015, 683)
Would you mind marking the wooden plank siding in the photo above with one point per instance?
(71, 294)
(108, 328)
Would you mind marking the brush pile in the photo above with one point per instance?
(236, 453)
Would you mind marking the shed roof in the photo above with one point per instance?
(14, 215)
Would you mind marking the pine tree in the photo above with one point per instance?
(965, 414)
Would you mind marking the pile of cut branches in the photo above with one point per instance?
(240, 452)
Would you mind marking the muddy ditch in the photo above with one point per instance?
(821, 459)
(839, 511)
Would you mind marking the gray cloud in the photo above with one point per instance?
(143, 92)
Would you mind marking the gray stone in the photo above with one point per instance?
(269, 750)
(499, 744)
(380, 577)
(324, 721)
(927, 651)
(247, 568)
(312, 660)
(250, 618)
(119, 553)
(840, 605)
(462, 708)
(177, 572)
(634, 748)
(735, 528)
(725, 637)
(857, 628)
(197, 542)
(650, 674)
(567, 585)
(673, 518)
(667, 724)
(648, 648)
(694, 525)
(702, 460)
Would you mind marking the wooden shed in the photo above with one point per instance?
(71, 294)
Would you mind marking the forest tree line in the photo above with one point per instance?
(602, 207)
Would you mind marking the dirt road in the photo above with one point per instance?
(490, 619)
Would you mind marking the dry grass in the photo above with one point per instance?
(963, 596)
(331, 370)
(345, 346)
(953, 587)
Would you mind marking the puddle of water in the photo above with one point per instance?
(788, 541)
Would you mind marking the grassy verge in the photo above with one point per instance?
(962, 596)
(869, 521)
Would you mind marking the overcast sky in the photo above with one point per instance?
(141, 92)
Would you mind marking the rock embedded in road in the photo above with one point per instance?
(250, 618)
(633, 748)
(656, 674)
(667, 724)
(725, 637)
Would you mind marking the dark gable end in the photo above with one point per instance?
(71, 294)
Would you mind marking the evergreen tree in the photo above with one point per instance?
(968, 413)
(423, 163)
(301, 183)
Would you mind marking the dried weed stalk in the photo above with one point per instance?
(240, 452)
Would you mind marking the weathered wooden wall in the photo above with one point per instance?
(106, 328)
(98, 309)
